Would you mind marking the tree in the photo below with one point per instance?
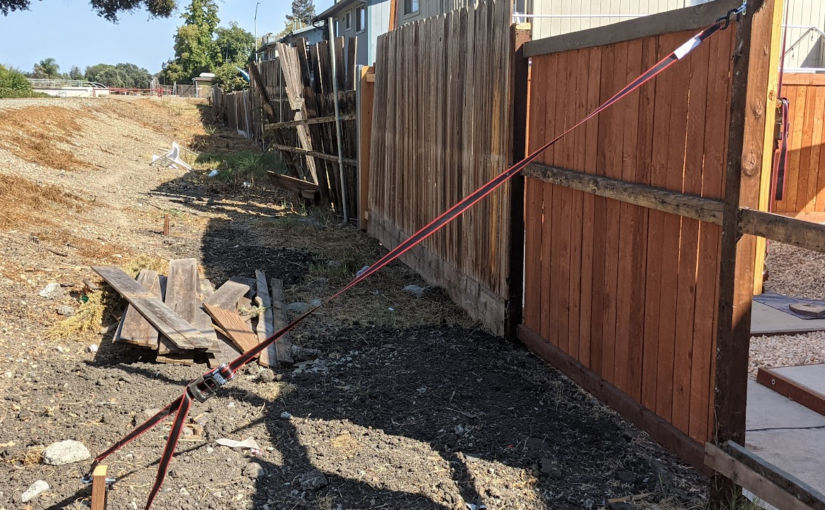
(235, 45)
(121, 75)
(302, 13)
(228, 78)
(108, 9)
(46, 68)
(13, 83)
(195, 48)
(75, 73)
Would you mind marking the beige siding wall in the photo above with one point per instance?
(805, 46)
(582, 14)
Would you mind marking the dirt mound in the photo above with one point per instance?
(169, 116)
(39, 134)
(24, 202)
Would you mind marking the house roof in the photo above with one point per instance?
(336, 8)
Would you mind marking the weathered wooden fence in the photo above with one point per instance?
(300, 122)
(621, 292)
(804, 190)
(441, 128)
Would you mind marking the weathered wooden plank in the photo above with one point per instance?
(283, 347)
(234, 326)
(182, 334)
(228, 294)
(765, 480)
(134, 329)
(265, 326)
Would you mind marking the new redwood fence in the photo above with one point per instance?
(804, 190)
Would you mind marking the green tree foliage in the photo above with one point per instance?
(302, 13)
(121, 75)
(13, 83)
(108, 9)
(75, 73)
(228, 78)
(195, 48)
(46, 68)
(235, 45)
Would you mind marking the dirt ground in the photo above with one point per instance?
(402, 402)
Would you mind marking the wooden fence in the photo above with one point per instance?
(804, 190)
(442, 129)
(622, 293)
(300, 119)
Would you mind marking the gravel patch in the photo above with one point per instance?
(794, 272)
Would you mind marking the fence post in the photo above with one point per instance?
(519, 69)
(751, 74)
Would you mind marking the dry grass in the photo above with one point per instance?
(30, 457)
(143, 261)
(25, 202)
(103, 306)
(37, 133)
(175, 117)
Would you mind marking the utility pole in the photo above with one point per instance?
(255, 23)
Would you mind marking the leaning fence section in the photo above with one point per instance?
(627, 292)
(440, 129)
(309, 116)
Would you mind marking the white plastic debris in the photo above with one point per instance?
(246, 443)
(213, 173)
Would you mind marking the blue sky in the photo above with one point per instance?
(73, 34)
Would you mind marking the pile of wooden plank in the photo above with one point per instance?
(184, 318)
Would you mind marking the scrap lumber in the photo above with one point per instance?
(266, 325)
(283, 347)
(205, 289)
(182, 296)
(182, 334)
(134, 329)
(227, 295)
(234, 326)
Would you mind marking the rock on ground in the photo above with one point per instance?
(34, 490)
(65, 452)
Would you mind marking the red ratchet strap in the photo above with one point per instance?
(205, 386)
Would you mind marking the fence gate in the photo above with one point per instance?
(622, 290)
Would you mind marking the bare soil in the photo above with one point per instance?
(405, 403)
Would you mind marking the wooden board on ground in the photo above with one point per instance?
(134, 329)
(183, 296)
(227, 295)
(283, 347)
(235, 327)
(182, 334)
(266, 326)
